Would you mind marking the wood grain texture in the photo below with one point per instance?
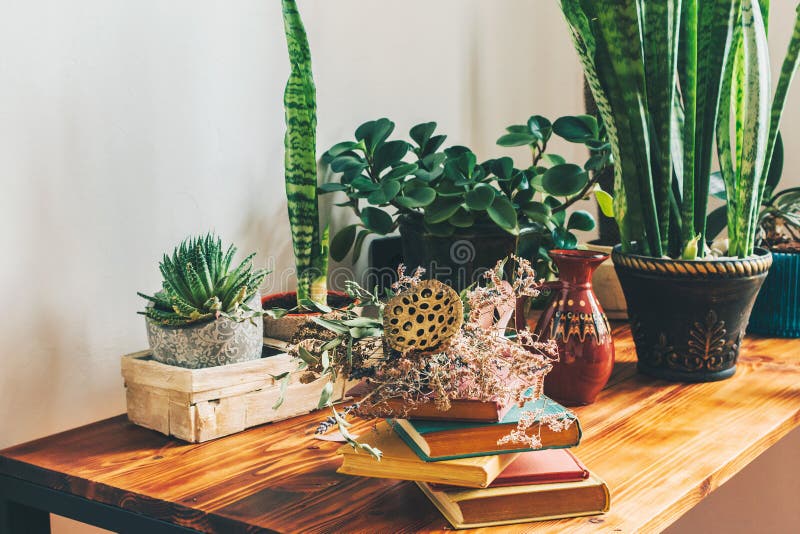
(198, 405)
(661, 448)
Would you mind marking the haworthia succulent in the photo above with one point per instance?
(310, 244)
(198, 284)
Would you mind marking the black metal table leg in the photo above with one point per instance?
(17, 518)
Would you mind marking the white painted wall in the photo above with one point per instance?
(125, 126)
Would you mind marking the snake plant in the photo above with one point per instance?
(199, 284)
(309, 242)
(667, 77)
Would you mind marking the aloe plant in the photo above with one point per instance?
(309, 242)
(667, 76)
(199, 284)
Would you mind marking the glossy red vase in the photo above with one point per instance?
(576, 321)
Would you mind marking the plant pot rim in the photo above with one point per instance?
(478, 229)
(755, 265)
(293, 295)
(204, 322)
(579, 254)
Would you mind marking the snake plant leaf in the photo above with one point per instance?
(756, 123)
(775, 169)
(789, 68)
(660, 22)
(715, 23)
(309, 243)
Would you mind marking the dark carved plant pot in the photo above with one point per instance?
(777, 308)
(461, 259)
(688, 318)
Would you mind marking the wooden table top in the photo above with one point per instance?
(661, 448)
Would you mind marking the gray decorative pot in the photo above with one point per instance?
(209, 344)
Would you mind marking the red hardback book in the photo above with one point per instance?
(537, 467)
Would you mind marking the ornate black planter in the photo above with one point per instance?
(688, 318)
(461, 259)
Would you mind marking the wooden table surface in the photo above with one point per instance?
(661, 448)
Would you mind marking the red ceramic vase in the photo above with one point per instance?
(575, 320)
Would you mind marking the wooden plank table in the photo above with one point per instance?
(661, 448)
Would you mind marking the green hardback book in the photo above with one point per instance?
(447, 440)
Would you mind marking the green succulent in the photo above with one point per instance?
(199, 284)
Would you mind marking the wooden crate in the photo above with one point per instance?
(198, 405)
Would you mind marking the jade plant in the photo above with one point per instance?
(199, 284)
(309, 241)
(671, 80)
(449, 190)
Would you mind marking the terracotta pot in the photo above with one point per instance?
(576, 321)
(285, 327)
(688, 317)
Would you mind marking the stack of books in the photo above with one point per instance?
(473, 480)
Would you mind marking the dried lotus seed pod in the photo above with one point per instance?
(423, 317)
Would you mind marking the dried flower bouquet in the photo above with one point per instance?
(428, 344)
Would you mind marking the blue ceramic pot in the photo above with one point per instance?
(777, 308)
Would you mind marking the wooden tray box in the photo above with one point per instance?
(198, 405)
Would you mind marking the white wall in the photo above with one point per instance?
(125, 126)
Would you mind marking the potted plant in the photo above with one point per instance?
(777, 308)
(458, 217)
(663, 75)
(285, 312)
(205, 314)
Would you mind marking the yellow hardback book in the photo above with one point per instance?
(473, 508)
(402, 463)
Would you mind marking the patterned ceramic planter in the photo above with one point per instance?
(219, 342)
(688, 318)
(777, 308)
